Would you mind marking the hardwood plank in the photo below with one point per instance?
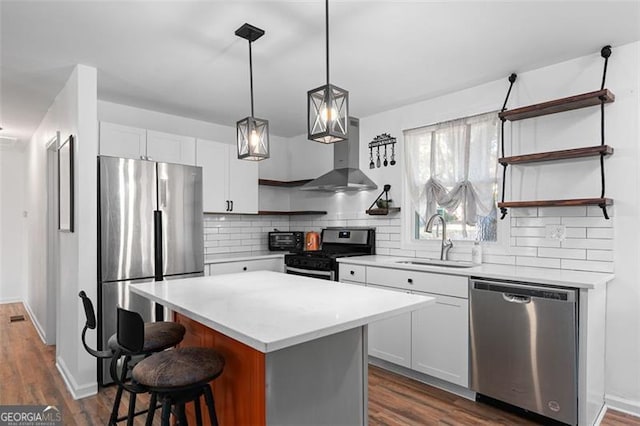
(393, 399)
(582, 100)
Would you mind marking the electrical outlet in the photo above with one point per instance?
(556, 232)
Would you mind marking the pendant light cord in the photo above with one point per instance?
(251, 78)
(326, 9)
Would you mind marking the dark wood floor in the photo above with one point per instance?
(28, 376)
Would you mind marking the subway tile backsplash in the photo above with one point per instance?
(587, 246)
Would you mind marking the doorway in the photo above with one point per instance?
(53, 246)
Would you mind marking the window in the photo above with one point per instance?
(451, 169)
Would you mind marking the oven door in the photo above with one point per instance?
(312, 273)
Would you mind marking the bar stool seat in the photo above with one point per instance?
(179, 368)
(158, 336)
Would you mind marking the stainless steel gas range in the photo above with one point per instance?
(336, 242)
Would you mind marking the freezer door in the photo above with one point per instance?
(127, 201)
(118, 294)
(180, 202)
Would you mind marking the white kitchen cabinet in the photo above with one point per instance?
(169, 148)
(352, 273)
(122, 141)
(440, 339)
(273, 264)
(117, 140)
(228, 184)
(390, 339)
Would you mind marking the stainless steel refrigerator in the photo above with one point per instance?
(150, 229)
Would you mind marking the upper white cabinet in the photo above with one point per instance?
(131, 142)
(122, 141)
(228, 184)
(168, 148)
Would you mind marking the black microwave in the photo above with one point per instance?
(286, 241)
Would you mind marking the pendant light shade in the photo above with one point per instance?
(327, 106)
(252, 133)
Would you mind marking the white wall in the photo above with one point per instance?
(73, 112)
(12, 225)
(565, 180)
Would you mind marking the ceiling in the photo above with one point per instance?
(183, 58)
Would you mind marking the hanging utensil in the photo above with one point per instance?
(378, 160)
(385, 163)
(371, 164)
(393, 154)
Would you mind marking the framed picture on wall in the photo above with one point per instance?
(65, 185)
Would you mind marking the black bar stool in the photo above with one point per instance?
(158, 337)
(173, 377)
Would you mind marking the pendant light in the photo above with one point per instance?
(252, 132)
(327, 106)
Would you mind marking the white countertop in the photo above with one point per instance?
(559, 277)
(242, 256)
(270, 310)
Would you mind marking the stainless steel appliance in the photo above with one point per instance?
(336, 242)
(286, 241)
(150, 228)
(523, 342)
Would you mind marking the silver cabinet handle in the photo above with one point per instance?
(231, 205)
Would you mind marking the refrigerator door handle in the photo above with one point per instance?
(157, 238)
(162, 187)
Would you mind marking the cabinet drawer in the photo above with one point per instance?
(448, 285)
(355, 273)
(276, 265)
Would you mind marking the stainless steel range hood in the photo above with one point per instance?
(346, 175)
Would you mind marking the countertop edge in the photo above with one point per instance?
(581, 280)
(242, 256)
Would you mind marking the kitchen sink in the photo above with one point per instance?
(436, 262)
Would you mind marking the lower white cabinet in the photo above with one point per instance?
(440, 339)
(390, 339)
(433, 340)
(274, 264)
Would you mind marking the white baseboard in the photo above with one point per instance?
(76, 391)
(6, 301)
(623, 405)
(35, 322)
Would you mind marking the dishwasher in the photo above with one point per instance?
(524, 346)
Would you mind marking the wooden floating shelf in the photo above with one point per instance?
(558, 203)
(292, 213)
(564, 154)
(283, 183)
(382, 212)
(559, 105)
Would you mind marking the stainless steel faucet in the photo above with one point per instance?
(446, 244)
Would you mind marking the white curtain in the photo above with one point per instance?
(453, 164)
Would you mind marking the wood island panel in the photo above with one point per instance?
(239, 392)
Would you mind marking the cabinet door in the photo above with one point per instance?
(440, 339)
(213, 158)
(122, 141)
(168, 148)
(390, 339)
(243, 183)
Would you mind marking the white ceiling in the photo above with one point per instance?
(183, 58)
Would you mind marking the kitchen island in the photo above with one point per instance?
(295, 347)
